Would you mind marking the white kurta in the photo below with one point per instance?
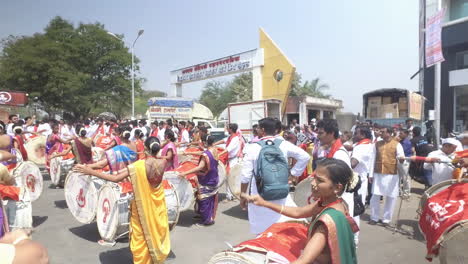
(387, 184)
(440, 171)
(260, 218)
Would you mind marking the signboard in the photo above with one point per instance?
(434, 53)
(415, 106)
(13, 98)
(231, 64)
(161, 112)
(170, 102)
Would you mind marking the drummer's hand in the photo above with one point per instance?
(83, 169)
(243, 201)
(464, 162)
(256, 199)
(181, 175)
(10, 237)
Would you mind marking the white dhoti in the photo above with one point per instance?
(231, 162)
(384, 185)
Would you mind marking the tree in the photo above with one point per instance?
(313, 88)
(295, 83)
(216, 96)
(80, 70)
(241, 86)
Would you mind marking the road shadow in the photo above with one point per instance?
(185, 218)
(45, 176)
(416, 190)
(62, 204)
(88, 232)
(121, 256)
(39, 220)
(237, 212)
(413, 231)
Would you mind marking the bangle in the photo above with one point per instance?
(282, 208)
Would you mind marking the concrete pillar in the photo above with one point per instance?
(303, 113)
(257, 92)
(177, 89)
(321, 114)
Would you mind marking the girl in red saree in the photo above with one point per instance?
(331, 232)
(19, 140)
(140, 145)
(79, 148)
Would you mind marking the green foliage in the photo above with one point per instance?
(82, 70)
(310, 88)
(241, 86)
(141, 100)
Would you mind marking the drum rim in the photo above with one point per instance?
(39, 192)
(26, 146)
(115, 227)
(226, 255)
(192, 200)
(66, 201)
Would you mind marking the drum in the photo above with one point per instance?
(28, 175)
(303, 192)
(112, 214)
(81, 195)
(98, 154)
(19, 156)
(287, 240)
(435, 189)
(55, 170)
(453, 247)
(184, 189)
(222, 174)
(35, 147)
(247, 257)
(234, 179)
(172, 204)
(19, 213)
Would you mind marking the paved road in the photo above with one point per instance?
(71, 242)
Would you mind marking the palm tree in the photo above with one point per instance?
(313, 88)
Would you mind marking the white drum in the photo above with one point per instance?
(113, 212)
(183, 188)
(221, 174)
(19, 213)
(234, 180)
(81, 195)
(303, 192)
(172, 204)
(35, 147)
(28, 175)
(98, 154)
(246, 257)
(19, 156)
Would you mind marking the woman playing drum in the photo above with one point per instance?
(207, 175)
(54, 142)
(331, 238)
(169, 151)
(79, 148)
(149, 236)
(140, 145)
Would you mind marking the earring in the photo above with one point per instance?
(338, 196)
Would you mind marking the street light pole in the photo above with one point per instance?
(140, 32)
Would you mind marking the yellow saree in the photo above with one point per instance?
(149, 227)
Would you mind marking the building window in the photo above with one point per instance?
(458, 9)
(461, 109)
(461, 59)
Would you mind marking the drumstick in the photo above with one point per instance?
(424, 159)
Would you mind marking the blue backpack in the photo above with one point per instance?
(272, 171)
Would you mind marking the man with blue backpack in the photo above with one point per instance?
(265, 170)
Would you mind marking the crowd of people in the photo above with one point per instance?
(348, 170)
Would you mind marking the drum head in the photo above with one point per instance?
(28, 175)
(183, 158)
(234, 180)
(453, 247)
(107, 212)
(245, 257)
(172, 205)
(302, 192)
(222, 174)
(55, 170)
(35, 148)
(67, 165)
(98, 154)
(183, 188)
(81, 196)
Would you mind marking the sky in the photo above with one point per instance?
(353, 46)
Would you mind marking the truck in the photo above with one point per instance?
(178, 108)
(393, 106)
(247, 114)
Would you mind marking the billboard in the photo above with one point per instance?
(12, 98)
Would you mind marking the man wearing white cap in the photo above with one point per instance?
(442, 171)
